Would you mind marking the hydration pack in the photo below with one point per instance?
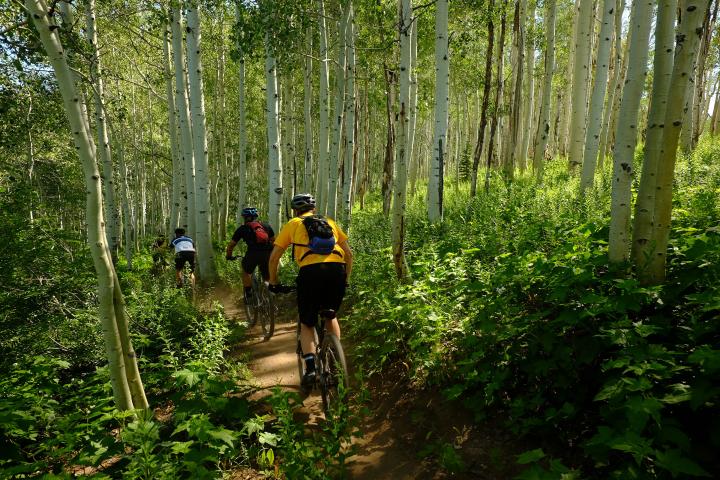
(321, 237)
(261, 235)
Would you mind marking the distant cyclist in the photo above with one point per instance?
(184, 253)
(322, 251)
(259, 237)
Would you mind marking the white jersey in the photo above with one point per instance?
(183, 244)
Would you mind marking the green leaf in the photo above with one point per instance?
(181, 447)
(189, 377)
(267, 438)
(530, 456)
(674, 461)
(223, 435)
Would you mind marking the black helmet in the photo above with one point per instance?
(249, 212)
(303, 201)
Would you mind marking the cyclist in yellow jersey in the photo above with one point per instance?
(322, 251)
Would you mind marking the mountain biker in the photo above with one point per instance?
(259, 237)
(184, 253)
(325, 267)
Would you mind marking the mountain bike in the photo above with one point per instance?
(330, 364)
(261, 306)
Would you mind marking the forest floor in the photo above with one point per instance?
(409, 434)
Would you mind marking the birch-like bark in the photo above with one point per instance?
(323, 133)
(442, 100)
(493, 141)
(529, 98)
(307, 113)
(178, 177)
(275, 187)
(203, 239)
(626, 134)
(581, 70)
(594, 118)
(186, 138)
(223, 190)
(688, 40)
(117, 352)
(387, 175)
(337, 131)
(288, 154)
(413, 113)
(111, 213)
(348, 164)
(614, 85)
(401, 170)
(242, 139)
(517, 58)
(662, 74)
(543, 131)
(487, 82)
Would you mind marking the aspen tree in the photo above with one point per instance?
(337, 128)
(127, 388)
(111, 213)
(517, 63)
(348, 164)
(487, 82)
(626, 133)
(543, 131)
(202, 182)
(442, 101)
(413, 112)
(186, 138)
(493, 141)
(614, 83)
(223, 191)
(662, 75)
(288, 153)
(274, 168)
(688, 40)
(581, 70)
(307, 112)
(594, 118)
(324, 132)
(242, 133)
(387, 173)
(401, 168)
(178, 179)
(529, 98)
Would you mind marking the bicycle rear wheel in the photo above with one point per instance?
(334, 382)
(267, 312)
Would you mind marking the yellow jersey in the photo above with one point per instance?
(295, 233)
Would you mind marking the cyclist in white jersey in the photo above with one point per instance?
(184, 252)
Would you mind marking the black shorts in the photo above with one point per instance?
(320, 286)
(182, 257)
(257, 258)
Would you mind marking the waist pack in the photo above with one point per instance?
(261, 235)
(321, 237)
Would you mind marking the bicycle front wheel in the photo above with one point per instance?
(334, 381)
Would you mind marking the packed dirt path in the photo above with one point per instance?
(401, 422)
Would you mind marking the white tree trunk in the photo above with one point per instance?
(348, 165)
(626, 133)
(275, 187)
(401, 168)
(543, 131)
(127, 387)
(307, 113)
(111, 214)
(178, 178)
(339, 114)
(323, 134)
(223, 191)
(529, 101)
(581, 70)
(662, 75)
(594, 125)
(688, 40)
(242, 144)
(442, 101)
(517, 63)
(181, 96)
(288, 154)
(203, 239)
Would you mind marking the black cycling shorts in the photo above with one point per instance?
(182, 257)
(257, 258)
(320, 286)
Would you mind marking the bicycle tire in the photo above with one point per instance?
(333, 371)
(267, 311)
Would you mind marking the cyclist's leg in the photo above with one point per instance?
(263, 264)
(307, 303)
(334, 280)
(248, 266)
(179, 263)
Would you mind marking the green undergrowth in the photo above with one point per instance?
(512, 310)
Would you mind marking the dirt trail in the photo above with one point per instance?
(401, 424)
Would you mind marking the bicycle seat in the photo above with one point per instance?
(328, 314)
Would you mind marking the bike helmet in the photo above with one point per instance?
(303, 201)
(249, 212)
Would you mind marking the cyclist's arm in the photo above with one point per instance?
(348, 258)
(274, 263)
(230, 248)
